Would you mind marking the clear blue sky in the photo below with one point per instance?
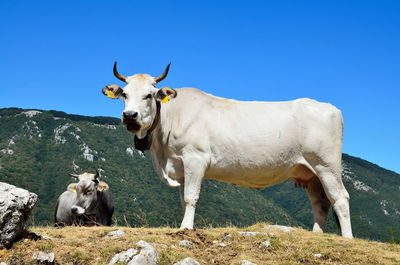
(59, 54)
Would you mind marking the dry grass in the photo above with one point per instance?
(86, 245)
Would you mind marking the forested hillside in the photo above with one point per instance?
(39, 148)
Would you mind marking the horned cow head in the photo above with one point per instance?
(86, 192)
(141, 97)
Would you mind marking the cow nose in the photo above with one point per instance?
(130, 115)
(74, 209)
(77, 210)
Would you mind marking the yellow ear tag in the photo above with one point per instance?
(110, 94)
(165, 100)
(73, 190)
(101, 188)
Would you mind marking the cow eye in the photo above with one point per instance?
(123, 95)
(148, 96)
(88, 192)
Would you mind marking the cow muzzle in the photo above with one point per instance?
(77, 210)
(129, 119)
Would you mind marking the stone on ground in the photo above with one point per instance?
(187, 261)
(124, 256)
(252, 233)
(16, 205)
(279, 227)
(43, 257)
(186, 244)
(148, 254)
(228, 237)
(115, 234)
(145, 254)
(266, 244)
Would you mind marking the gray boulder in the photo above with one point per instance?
(228, 237)
(43, 257)
(318, 255)
(16, 205)
(266, 244)
(246, 262)
(252, 233)
(115, 234)
(282, 228)
(124, 256)
(145, 254)
(186, 244)
(148, 254)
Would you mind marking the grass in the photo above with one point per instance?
(87, 245)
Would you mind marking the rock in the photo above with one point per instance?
(228, 237)
(252, 233)
(186, 244)
(318, 255)
(280, 228)
(124, 256)
(266, 244)
(115, 234)
(246, 262)
(148, 254)
(220, 244)
(43, 257)
(187, 261)
(45, 238)
(16, 205)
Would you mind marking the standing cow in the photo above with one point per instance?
(87, 202)
(252, 144)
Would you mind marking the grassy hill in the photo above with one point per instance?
(87, 245)
(39, 148)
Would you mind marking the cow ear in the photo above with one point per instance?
(72, 187)
(112, 91)
(74, 176)
(165, 94)
(102, 186)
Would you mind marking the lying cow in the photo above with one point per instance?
(252, 144)
(87, 202)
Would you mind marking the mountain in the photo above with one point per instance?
(39, 148)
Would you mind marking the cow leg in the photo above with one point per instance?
(320, 204)
(194, 172)
(182, 196)
(331, 181)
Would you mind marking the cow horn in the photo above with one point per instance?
(163, 75)
(97, 174)
(74, 176)
(118, 75)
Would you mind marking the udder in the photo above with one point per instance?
(301, 176)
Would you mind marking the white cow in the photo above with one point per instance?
(252, 144)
